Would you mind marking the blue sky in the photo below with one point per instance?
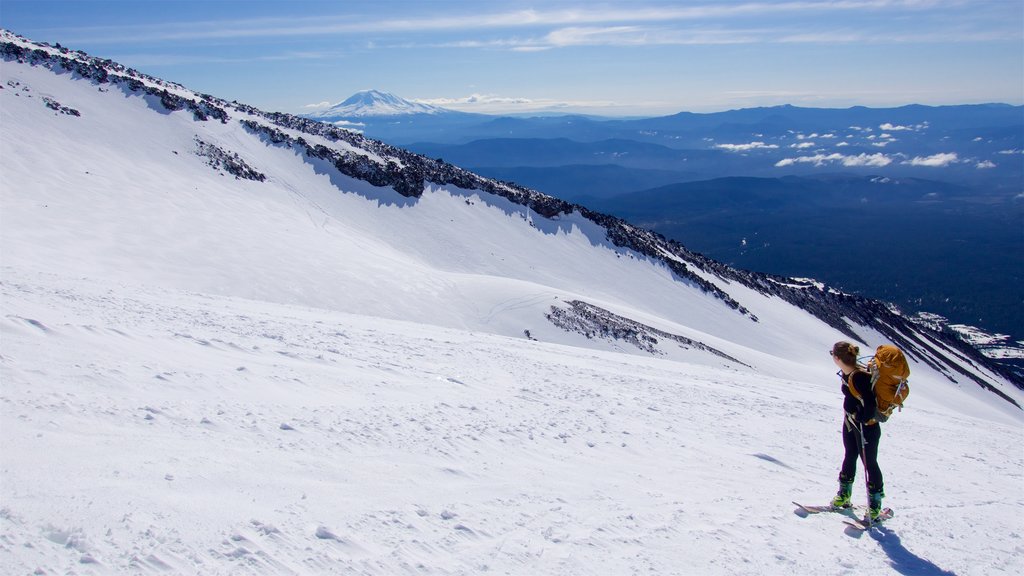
(503, 56)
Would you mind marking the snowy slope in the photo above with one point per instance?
(150, 430)
(296, 371)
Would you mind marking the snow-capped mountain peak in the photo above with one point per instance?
(375, 103)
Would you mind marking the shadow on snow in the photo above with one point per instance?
(901, 559)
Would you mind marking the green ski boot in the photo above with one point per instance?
(875, 507)
(842, 498)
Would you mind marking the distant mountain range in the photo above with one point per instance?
(777, 189)
(986, 140)
(969, 144)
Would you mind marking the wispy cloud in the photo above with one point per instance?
(940, 160)
(747, 147)
(614, 36)
(876, 160)
(951, 34)
(647, 36)
(148, 59)
(710, 23)
(664, 35)
(493, 103)
(889, 127)
(476, 99)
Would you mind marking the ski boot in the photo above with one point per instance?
(875, 506)
(842, 498)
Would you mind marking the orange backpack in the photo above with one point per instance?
(889, 371)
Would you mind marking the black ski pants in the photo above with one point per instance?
(851, 441)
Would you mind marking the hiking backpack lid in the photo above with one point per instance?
(889, 372)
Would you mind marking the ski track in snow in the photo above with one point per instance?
(175, 432)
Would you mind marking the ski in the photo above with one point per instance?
(865, 524)
(820, 509)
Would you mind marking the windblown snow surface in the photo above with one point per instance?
(308, 375)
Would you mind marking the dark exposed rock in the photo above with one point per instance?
(594, 322)
(230, 162)
(106, 71)
(58, 107)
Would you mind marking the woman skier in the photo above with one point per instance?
(861, 432)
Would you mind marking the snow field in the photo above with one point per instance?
(149, 430)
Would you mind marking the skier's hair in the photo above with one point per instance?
(846, 352)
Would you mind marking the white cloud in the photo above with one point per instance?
(876, 160)
(356, 127)
(867, 160)
(1014, 151)
(746, 147)
(475, 99)
(320, 105)
(889, 127)
(985, 164)
(880, 144)
(617, 36)
(595, 24)
(602, 18)
(841, 144)
(497, 104)
(802, 145)
(940, 160)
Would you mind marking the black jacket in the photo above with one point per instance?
(862, 409)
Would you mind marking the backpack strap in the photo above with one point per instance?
(853, 389)
(856, 393)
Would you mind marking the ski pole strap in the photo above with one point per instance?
(863, 442)
(850, 420)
